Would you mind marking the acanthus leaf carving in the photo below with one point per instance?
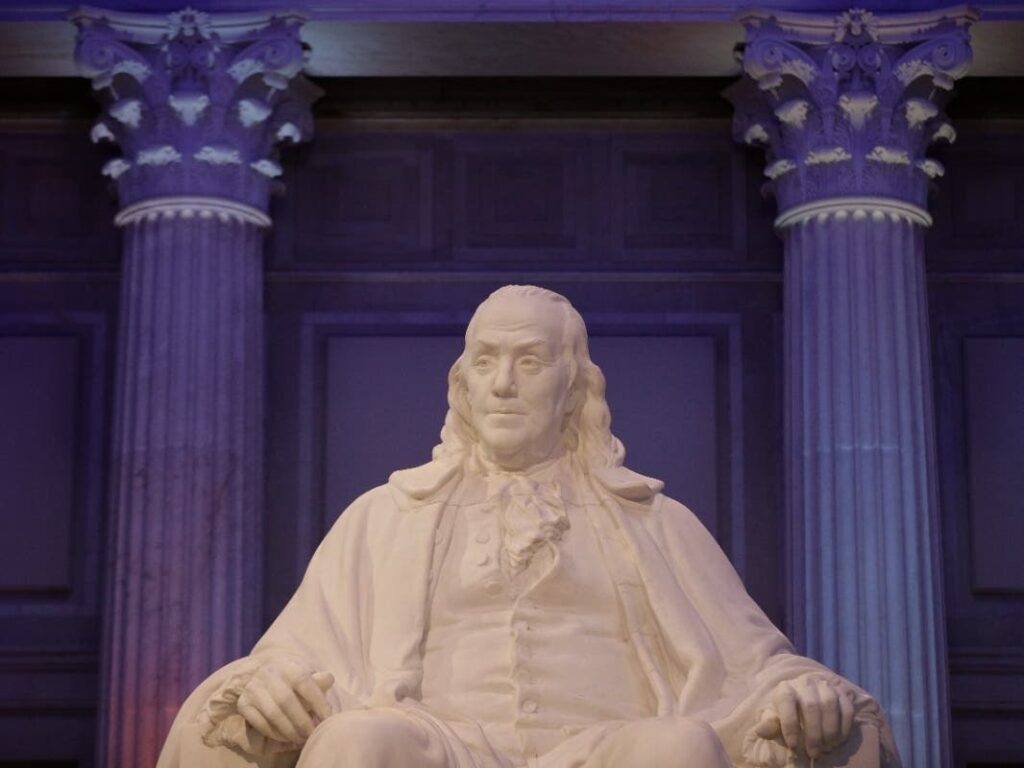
(189, 106)
(858, 106)
(889, 155)
(827, 156)
(198, 69)
(164, 155)
(101, 132)
(933, 169)
(115, 168)
(793, 112)
(864, 90)
(781, 166)
(127, 112)
(218, 155)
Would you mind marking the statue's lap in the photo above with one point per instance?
(386, 738)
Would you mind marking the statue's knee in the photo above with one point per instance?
(676, 742)
(368, 739)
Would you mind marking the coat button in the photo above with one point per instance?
(483, 537)
(529, 706)
(483, 558)
(493, 588)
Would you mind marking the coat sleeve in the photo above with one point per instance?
(324, 627)
(755, 655)
(327, 623)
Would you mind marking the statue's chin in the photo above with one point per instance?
(510, 452)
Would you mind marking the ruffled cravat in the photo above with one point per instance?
(531, 515)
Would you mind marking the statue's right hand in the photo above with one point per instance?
(282, 698)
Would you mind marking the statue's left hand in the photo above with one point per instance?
(282, 698)
(814, 712)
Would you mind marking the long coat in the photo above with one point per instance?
(361, 610)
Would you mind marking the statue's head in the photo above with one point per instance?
(525, 389)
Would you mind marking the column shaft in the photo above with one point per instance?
(846, 108)
(867, 597)
(187, 484)
(198, 104)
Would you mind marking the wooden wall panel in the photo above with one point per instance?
(548, 196)
(978, 342)
(363, 200)
(994, 383)
(45, 218)
(53, 405)
(979, 208)
(52, 449)
(385, 400)
(664, 397)
(522, 197)
(53, 408)
(38, 414)
(673, 200)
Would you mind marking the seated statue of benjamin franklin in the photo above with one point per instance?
(523, 599)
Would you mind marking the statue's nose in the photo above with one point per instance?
(504, 383)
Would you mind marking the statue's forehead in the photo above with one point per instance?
(528, 315)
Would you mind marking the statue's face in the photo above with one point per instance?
(517, 377)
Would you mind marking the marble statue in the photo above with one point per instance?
(524, 599)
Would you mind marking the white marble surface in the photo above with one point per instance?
(186, 480)
(524, 598)
(867, 592)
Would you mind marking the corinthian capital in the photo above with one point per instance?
(848, 105)
(197, 102)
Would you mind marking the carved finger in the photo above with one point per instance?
(845, 713)
(313, 697)
(256, 719)
(831, 737)
(324, 680)
(276, 716)
(789, 719)
(291, 706)
(768, 726)
(810, 713)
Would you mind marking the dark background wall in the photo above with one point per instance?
(418, 197)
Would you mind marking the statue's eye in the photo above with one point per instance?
(483, 362)
(530, 363)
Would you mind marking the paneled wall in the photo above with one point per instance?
(58, 298)
(976, 295)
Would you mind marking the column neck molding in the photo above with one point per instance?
(186, 207)
(847, 105)
(855, 208)
(197, 102)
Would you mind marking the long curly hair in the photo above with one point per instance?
(587, 428)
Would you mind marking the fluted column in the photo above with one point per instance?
(196, 103)
(845, 108)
